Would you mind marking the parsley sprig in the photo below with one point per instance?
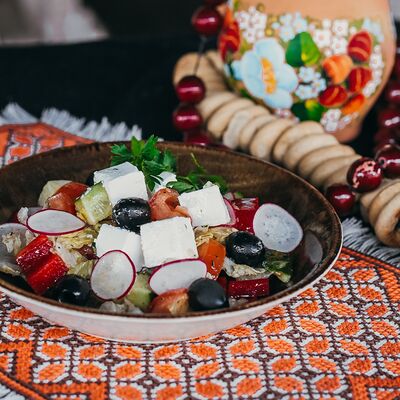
(146, 157)
(152, 162)
(196, 179)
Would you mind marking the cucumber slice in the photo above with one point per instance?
(141, 294)
(94, 205)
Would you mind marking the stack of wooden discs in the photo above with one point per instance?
(302, 147)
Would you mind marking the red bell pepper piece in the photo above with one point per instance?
(249, 288)
(47, 274)
(244, 210)
(223, 281)
(34, 253)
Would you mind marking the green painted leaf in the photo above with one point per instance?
(302, 50)
(308, 110)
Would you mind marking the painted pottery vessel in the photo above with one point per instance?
(322, 61)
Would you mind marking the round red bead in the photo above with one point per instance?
(364, 175)
(207, 21)
(388, 158)
(198, 137)
(342, 199)
(186, 117)
(190, 89)
(389, 118)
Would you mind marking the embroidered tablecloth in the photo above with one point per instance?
(338, 340)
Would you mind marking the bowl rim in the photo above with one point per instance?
(317, 272)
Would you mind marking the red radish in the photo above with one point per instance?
(244, 210)
(54, 222)
(177, 274)
(113, 275)
(249, 288)
(277, 229)
(231, 212)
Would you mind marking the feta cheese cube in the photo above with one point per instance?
(168, 240)
(125, 186)
(206, 206)
(166, 177)
(108, 174)
(113, 238)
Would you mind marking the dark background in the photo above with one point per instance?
(126, 78)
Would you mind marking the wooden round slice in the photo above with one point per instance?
(322, 172)
(263, 141)
(238, 122)
(186, 66)
(367, 198)
(339, 176)
(293, 134)
(219, 121)
(213, 102)
(297, 150)
(318, 156)
(386, 226)
(381, 199)
(247, 133)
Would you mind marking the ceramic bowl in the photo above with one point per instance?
(21, 183)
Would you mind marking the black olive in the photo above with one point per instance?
(206, 294)
(90, 179)
(131, 213)
(72, 289)
(245, 248)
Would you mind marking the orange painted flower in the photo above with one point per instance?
(229, 39)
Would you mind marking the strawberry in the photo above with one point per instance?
(34, 253)
(47, 274)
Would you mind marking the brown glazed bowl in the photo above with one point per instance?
(21, 183)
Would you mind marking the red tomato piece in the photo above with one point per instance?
(64, 198)
(213, 254)
(165, 204)
(173, 302)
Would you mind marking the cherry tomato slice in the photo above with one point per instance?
(165, 204)
(64, 198)
(213, 254)
(173, 302)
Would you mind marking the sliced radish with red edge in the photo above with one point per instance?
(177, 275)
(25, 212)
(54, 222)
(277, 229)
(231, 212)
(113, 275)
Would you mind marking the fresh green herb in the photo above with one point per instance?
(196, 179)
(146, 157)
(280, 265)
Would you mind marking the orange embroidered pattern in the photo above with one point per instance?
(337, 340)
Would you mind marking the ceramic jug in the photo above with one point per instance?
(316, 60)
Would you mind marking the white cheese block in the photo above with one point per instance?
(167, 240)
(166, 177)
(125, 186)
(114, 238)
(108, 174)
(206, 206)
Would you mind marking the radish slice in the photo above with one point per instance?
(277, 229)
(113, 275)
(231, 212)
(177, 275)
(12, 239)
(54, 222)
(25, 212)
